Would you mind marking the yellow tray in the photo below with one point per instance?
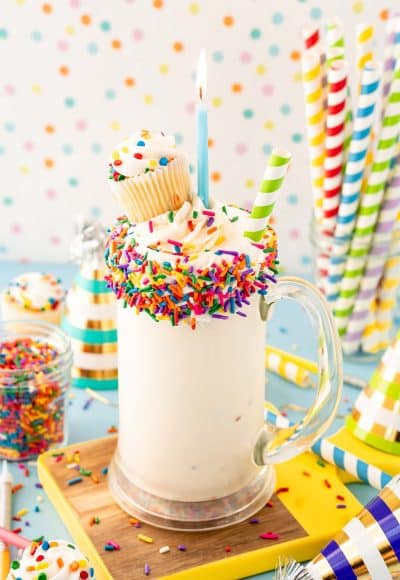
(305, 517)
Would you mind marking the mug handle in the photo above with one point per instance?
(275, 445)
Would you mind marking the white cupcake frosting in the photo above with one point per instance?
(36, 291)
(201, 232)
(143, 151)
(55, 560)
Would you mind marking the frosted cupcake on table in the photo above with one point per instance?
(53, 560)
(149, 175)
(34, 296)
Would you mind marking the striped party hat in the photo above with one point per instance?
(375, 418)
(367, 547)
(91, 314)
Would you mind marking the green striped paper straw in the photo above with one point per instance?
(266, 197)
(334, 38)
(370, 205)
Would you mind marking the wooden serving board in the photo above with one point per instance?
(305, 517)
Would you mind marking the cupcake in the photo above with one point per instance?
(54, 560)
(149, 176)
(35, 296)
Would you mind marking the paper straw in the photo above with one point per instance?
(392, 39)
(364, 45)
(376, 336)
(334, 38)
(278, 363)
(312, 367)
(12, 539)
(274, 175)
(375, 264)
(336, 50)
(353, 177)
(333, 454)
(352, 464)
(334, 155)
(369, 208)
(315, 121)
(312, 43)
(311, 38)
(299, 361)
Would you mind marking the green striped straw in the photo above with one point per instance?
(370, 205)
(266, 197)
(334, 37)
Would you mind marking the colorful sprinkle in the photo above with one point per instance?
(269, 536)
(146, 539)
(175, 290)
(32, 406)
(282, 490)
(74, 480)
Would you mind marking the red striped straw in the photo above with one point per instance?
(311, 38)
(334, 143)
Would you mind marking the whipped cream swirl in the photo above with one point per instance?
(143, 151)
(56, 560)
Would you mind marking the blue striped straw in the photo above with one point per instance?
(353, 177)
(369, 474)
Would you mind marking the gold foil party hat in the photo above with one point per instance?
(367, 547)
(375, 418)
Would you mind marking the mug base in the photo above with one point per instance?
(190, 516)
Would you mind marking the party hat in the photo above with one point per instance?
(367, 547)
(375, 418)
(91, 313)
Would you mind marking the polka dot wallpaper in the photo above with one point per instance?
(79, 75)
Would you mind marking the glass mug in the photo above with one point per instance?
(193, 450)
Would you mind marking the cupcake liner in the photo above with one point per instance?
(155, 192)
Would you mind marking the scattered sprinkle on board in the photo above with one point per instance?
(249, 553)
(282, 490)
(269, 536)
(74, 480)
(146, 539)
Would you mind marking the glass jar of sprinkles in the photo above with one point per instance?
(35, 369)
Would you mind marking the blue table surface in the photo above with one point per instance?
(289, 330)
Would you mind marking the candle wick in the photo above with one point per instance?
(201, 92)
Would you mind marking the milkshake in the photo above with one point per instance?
(192, 291)
(191, 347)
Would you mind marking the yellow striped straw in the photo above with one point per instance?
(364, 45)
(376, 335)
(290, 367)
(315, 118)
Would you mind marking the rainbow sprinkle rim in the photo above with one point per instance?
(178, 291)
